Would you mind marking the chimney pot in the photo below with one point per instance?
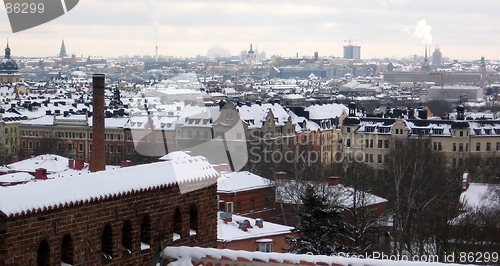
(41, 173)
(259, 222)
(79, 164)
(71, 163)
(126, 163)
(333, 181)
(280, 176)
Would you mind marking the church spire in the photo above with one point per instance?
(7, 50)
(63, 53)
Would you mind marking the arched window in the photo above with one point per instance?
(146, 230)
(177, 222)
(127, 235)
(193, 220)
(43, 254)
(107, 241)
(67, 250)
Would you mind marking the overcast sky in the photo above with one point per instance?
(464, 29)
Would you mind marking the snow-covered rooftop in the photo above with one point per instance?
(230, 231)
(241, 181)
(55, 193)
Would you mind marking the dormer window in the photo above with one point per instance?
(370, 129)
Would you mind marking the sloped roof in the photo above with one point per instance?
(193, 172)
(227, 232)
(241, 181)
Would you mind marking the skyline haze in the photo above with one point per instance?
(463, 29)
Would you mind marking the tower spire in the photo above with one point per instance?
(63, 53)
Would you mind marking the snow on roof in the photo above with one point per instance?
(288, 191)
(15, 177)
(185, 255)
(477, 195)
(258, 113)
(230, 231)
(241, 181)
(325, 111)
(54, 193)
(51, 162)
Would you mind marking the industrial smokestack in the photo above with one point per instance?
(156, 54)
(97, 156)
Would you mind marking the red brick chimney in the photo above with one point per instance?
(126, 163)
(280, 176)
(333, 181)
(15, 159)
(71, 163)
(98, 155)
(223, 167)
(41, 173)
(79, 164)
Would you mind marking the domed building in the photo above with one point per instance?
(9, 71)
(218, 51)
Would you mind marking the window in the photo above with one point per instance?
(379, 158)
(488, 146)
(498, 146)
(264, 247)
(229, 207)
(193, 219)
(478, 146)
(67, 250)
(107, 241)
(460, 147)
(386, 144)
(238, 207)
(127, 235)
(454, 147)
(466, 146)
(386, 158)
(252, 205)
(348, 129)
(146, 230)
(371, 143)
(80, 147)
(367, 144)
(43, 253)
(461, 133)
(440, 147)
(70, 146)
(434, 146)
(380, 144)
(118, 149)
(177, 221)
(190, 134)
(238, 135)
(348, 143)
(371, 158)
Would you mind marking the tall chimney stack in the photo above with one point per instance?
(156, 54)
(97, 157)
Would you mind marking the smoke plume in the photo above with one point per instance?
(155, 18)
(423, 32)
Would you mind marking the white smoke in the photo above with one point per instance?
(423, 32)
(155, 18)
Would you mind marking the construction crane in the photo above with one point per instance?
(441, 93)
(349, 41)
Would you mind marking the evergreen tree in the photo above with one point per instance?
(321, 228)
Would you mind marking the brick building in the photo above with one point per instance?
(115, 217)
(247, 194)
(242, 233)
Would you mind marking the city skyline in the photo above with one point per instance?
(389, 28)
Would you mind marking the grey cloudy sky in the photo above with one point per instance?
(464, 29)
